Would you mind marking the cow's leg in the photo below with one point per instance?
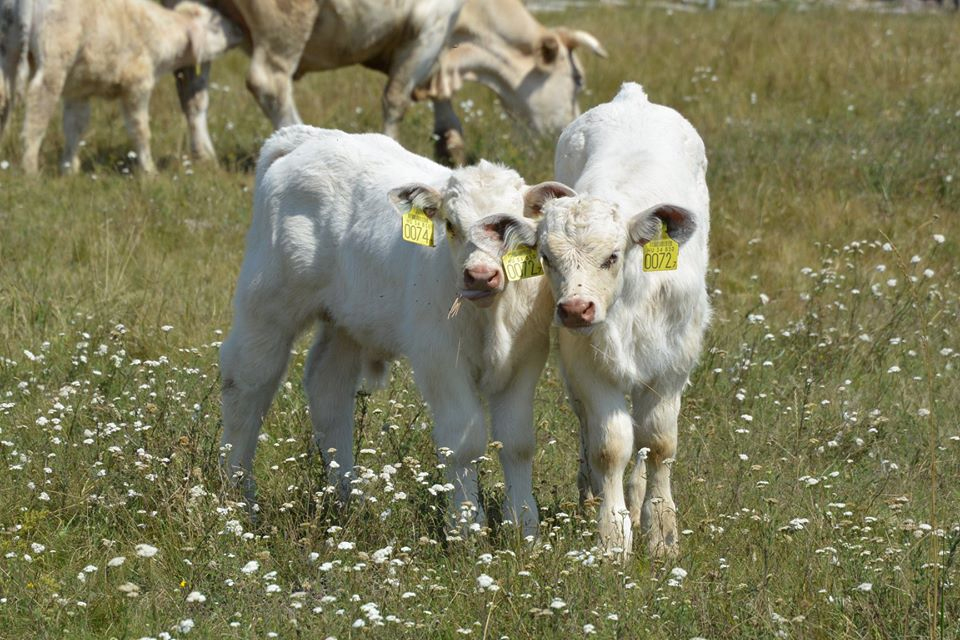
(43, 93)
(655, 417)
(460, 435)
(270, 80)
(76, 115)
(609, 443)
(194, 102)
(330, 380)
(412, 64)
(252, 361)
(511, 415)
(448, 146)
(136, 112)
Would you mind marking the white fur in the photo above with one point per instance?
(81, 49)
(325, 248)
(623, 158)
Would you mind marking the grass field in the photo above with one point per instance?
(819, 439)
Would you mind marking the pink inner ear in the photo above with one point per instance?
(493, 231)
(673, 217)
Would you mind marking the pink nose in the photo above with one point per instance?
(576, 312)
(482, 277)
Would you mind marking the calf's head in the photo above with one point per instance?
(584, 244)
(469, 210)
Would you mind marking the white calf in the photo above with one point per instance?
(633, 316)
(325, 247)
(114, 49)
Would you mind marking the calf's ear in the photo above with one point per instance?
(499, 233)
(645, 226)
(416, 196)
(539, 194)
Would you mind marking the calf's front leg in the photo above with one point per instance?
(609, 445)
(655, 420)
(511, 415)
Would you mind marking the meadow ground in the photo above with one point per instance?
(819, 438)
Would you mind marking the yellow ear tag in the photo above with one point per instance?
(661, 254)
(521, 263)
(417, 228)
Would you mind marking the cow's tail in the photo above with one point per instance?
(281, 143)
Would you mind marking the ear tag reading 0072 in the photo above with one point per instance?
(521, 263)
(661, 254)
(417, 228)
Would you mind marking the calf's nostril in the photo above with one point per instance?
(589, 313)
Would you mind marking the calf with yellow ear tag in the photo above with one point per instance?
(626, 259)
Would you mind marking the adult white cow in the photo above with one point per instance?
(497, 42)
(626, 258)
(325, 248)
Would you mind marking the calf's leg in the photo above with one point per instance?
(460, 435)
(252, 362)
(136, 111)
(655, 417)
(43, 93)
(511, 415)
(330, 380)
(76, 115)
(609, 444)
(194, 102)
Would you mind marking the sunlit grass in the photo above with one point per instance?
(819, 445)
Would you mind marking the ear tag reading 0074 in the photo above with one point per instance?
(521, 263)
(661, 254)
(417, 228)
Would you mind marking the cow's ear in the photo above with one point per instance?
(499, 233)
(573, 38)
(547, 50)
(539, 194)
(416, 196)
(645, 226)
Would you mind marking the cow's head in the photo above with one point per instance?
(546, 96)
(584, 244)
(209, 32)
(468, 211)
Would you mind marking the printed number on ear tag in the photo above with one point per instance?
(418, 228)
(521, 263)
(661, 254)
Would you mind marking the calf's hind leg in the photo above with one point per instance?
(331, 378)
(252, 362)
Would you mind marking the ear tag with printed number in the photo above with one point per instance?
(661, 254)
(417, 228)
(521, 263)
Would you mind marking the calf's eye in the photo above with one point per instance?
(609, 262)
(450, 230)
